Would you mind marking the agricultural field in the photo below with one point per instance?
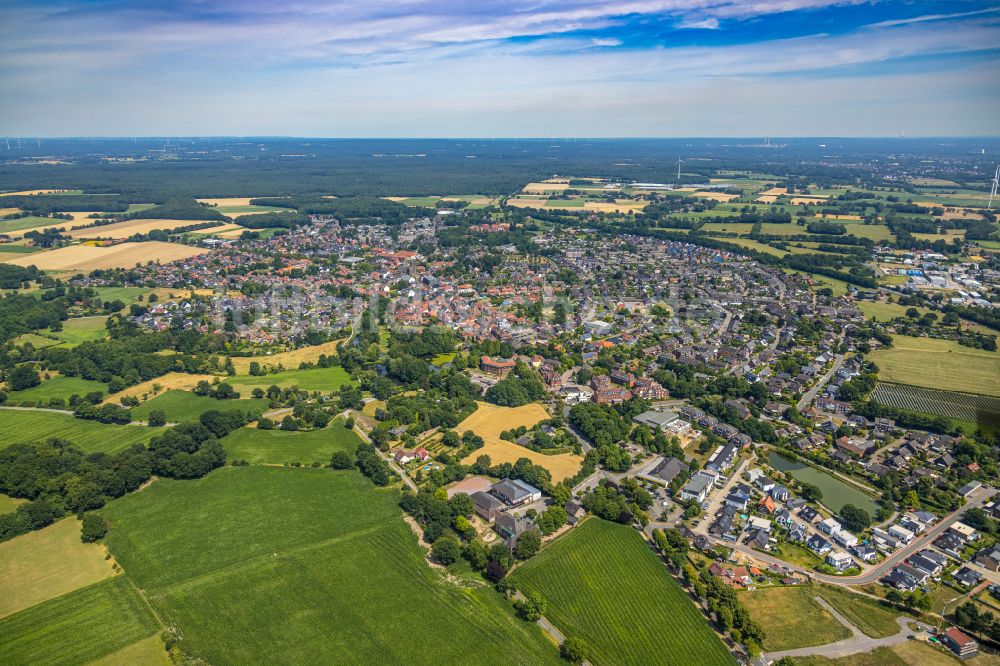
(91, 257)
(16, 228)
(180, 381)
(182, 406)
(792, 618)
(939, 364)
(968, 407)
(314, 379)
(14, 248)
(601, 581)
(126, 295)
(147, 652)
(287, 359)
(57, 387)
(275, 564)
(48, 563)
(90, 436)
(488, 421)
(82, 329)
(129, 228)
(276, 447)
(78, 627)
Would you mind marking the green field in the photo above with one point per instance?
(126, 295)
(314, 379)
(234, 211)
(603, 583)
(276, 447)
(180, 406)
(18, 249)
(78, 627)
(939, 364)
(792, 618)
(90, 436)
(881, 311)
(9, 504)
(304, 566)
(57, 387)
(31, 222)
(863, 612)
(82, 329)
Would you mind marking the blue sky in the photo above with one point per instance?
(484, 68)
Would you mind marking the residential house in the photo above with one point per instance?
(486, 505)
(697, 488)
(829, 526)
(818, 544)
(510, 526)
(959, 643)
(839, 560)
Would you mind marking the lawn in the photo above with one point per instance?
(57, 387)
(602, 582)
(792, 618)
(276, 447)
(48, 563)
(180, 406)
(314, 379)
(78, 627)
(863, 612)
(939, 364)
(90, 436)
(304, 566)
(881, 311)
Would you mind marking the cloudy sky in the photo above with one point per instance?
(519, 68)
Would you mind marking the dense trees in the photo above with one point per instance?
(371, 465)
(601, 424)
(521, 386)
(93, 528)
(23, 377)
(855, 519)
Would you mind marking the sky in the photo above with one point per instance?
(482, 68)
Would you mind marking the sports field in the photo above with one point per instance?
(315, 379)
(182, 406)
(38, 426)
(78, 627)
(602, 582)
(57, 387)
(792, 618)
(276, 447)
(91, 257)
(488, 421)
(302, 566)
(47, 563)
(940, 364)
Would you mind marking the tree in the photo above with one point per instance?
(23, 377)
(810, 492)
(157, 417)
(93, 529)
(855, 519)
(289, 423)
(342, 460)
(574, 650)
(531, 608)
(528, 544)
(446, 549)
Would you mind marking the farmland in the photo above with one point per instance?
(57, 387)
(601, 581)
(276, 447)
(792, 618)
(149, 389)
(488, 421)
(313, 379)
(263, 564)
(129, 228)
(950, 404)
(82, 329)
(90, 436)
(186, 406)
(90, 257)
(47, 563)
(939, 364)
(86, 624)
(286, 359)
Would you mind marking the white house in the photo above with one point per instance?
(967, 533)
(839, 560)
(900, 533)
(829, 526)
(845, 538)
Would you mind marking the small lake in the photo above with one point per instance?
(836, 493)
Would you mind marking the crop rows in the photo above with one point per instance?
(962, 406)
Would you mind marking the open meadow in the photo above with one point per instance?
(287, 360)
(180, 381)
(303, 566)
(180, 406)
(277, 447)
(602, 582)
(90, 436)
(488, 421)
(48, 563)
(57, 387)
(792, 618)
(91, 257)
(939, 364)
(313, 379)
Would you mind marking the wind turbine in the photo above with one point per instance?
(993, 190)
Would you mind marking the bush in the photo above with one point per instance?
(342, 460)
(446, 549)
(157, 417)
(574, 650)
(94, 528)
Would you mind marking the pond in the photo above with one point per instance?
(836, 493)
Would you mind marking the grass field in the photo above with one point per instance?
(172, 380)
(303, 566)
(9, 504)
(792, 618)
(864, 613)
(146, 652)
(183, 406)
(48, 563)
(603, 583)
(82, 329)
(57, 387)
(288, 359)
(488, 421)
(78, 627)
(16, 228)
(90, 257)
(90, 436)
(276, 447)
(939, 364)
(126, 295)
(315, 379)
(18, 249)
(881, 311)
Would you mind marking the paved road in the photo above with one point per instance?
(857, 643)
(808, 396)
(387, 458)
(547, 627)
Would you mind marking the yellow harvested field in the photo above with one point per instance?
(28, 193)
(685, 189)
(227, 201)
(47, 563)
(148, 652)
(231, 232)
(766, 198)
(8, 211)
(535, 188)
(172, 380)
(129, 228)
(776, 191)
(290, 360)
(621, 206)
(716, 196)
(805, 201)
(488, 421)
(527, 203)
(88, 257)
(856, 218)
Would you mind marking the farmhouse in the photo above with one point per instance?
(514, 492)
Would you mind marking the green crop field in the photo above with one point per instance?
(82, 329)
(603, 583)
(78, 627)
(314, 379)
(57, 387)
(276, 447)
(90, 436)
(303, 566)
(18, 249)
(126, 295)
(31, 222)
(183, 406)
(939, 364)
(792, 618)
